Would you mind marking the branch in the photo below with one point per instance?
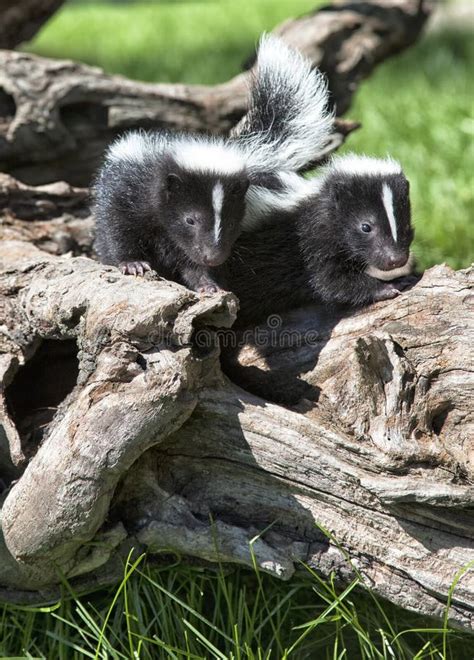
(20, 20)
(55, 218)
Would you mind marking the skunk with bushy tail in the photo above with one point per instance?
(176, 203)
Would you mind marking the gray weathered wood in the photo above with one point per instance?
(55, 217)
(374, 444)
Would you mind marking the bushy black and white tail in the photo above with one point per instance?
(288, 122)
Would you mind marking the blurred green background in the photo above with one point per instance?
(418, 106)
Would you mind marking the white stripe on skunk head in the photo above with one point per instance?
(363, 165)
(208, 155)
(135, 146)
(387, 199)
(217, 201)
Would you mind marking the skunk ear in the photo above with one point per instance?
(336, 192)
(173, 183)
(240, 187)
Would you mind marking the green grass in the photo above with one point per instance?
(417, 107)
(194, 42)
(181, 612)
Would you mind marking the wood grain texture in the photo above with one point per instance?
(155, 447)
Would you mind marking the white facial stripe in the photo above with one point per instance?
(217, 199)
(387, 199)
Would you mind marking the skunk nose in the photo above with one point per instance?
(396, 261)
(212, 260)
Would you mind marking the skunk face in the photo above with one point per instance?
(373, 214)
(205, 213)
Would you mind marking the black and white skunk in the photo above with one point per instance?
(176, 203)
(338, 239)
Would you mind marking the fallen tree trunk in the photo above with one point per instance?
(344, 441)
(56, 217)
(144, 442)
(56, 117)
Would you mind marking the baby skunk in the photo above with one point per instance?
(161, 204)
(176, 203)
(337, 239)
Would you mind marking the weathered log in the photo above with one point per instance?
(55, 217)
(119, 429)
(20, 20)
(56, 117)
(150, 445)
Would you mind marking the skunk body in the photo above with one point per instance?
(176, 203)
(339, 245)
(160, 205)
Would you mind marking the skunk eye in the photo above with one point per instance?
(366, 228)
(189, 221)
(172, 182)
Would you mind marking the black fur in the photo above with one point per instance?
(318, 253)
(151, 213)
(143, 215)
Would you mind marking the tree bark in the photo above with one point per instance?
(145, 442)
(20, 20)
(129, 418)
(56, 217)
(56, 117)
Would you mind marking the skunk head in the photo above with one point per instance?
(194, 187)
(204, 213)
(369, 203)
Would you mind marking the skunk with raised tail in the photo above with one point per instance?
(176, 203)
(342, 238)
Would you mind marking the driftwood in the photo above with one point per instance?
(130, 418)
(20, 20)
(144, 442)
(56, 117)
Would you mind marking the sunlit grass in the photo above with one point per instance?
(182, 612)
(194, 42)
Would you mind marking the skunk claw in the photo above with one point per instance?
(209, 288)
(386, 293)
(134, 267)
